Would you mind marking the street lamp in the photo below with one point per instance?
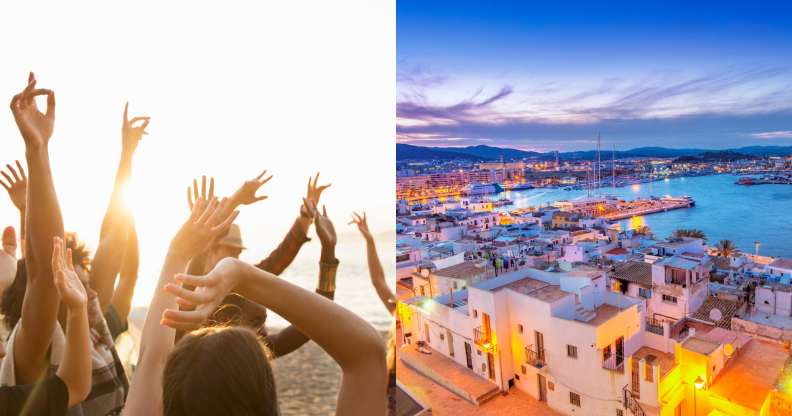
(699, 384)
(757, 248)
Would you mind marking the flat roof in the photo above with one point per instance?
(523, 285)
(548, 293)
(678, 263)
(750, 376)
(700, 345)
(465, 270)
(656, 357)
(604, 312)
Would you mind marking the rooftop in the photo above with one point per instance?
(565, 214)
(523, 285)
(585, 273)
(726, 336)
(749, 377)
(678, 263)
(778, 287)
(781, 264)
(656, 357)
(723, 263)
(618, 252)
(466, 270)
(604, 312)
(679, 241)
(634, 271)
(700, 345)
(728, 309)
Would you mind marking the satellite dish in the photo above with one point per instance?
(715, 315)
(425, 272)
(728, 349)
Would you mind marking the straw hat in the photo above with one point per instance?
(232, 237)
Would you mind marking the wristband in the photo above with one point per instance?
(327, 277)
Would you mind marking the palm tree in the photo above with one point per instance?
(696, 234)
(726, 247)
(679, 232)
(644, 230)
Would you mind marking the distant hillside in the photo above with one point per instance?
(722, 156)
(765, 150)
(665, 152)
(408, 151)
(490, 152)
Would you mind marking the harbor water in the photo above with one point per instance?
(723, 210)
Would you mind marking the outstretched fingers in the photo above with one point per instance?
(211, 187)
(13, 172)
(209, 211)
(8, 178)
(195, 209)
(262, 174)
(196, 298)
(225, 224)
(21, 171)
(217, 212)
(265, 180)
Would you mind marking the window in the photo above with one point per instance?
(479, 352)
(550, 386)
(571, 351)
(455, 285)
(669, 299)
(519, 328)
(522, 367)
(619, 412)
(574, 398)
(646, 293)
(517, 376)
(475, 313)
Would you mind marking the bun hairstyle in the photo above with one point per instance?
(219, 371)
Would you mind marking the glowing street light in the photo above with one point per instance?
(757, 248)
(699, 384)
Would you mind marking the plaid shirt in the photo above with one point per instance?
(282, 256)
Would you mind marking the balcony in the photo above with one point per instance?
(535, 359)
(654, 326)
(613, 362)
(484, 339)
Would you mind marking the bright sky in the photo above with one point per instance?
(550, 75)
(231, 89)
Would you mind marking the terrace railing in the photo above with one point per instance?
(613, 362)
(483, 338)
(534, 358)
(631, 403)
(654, 326)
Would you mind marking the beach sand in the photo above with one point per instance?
(307, 381)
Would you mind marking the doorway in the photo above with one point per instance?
(469, 356)
(542, 388)
(450, 343)
(426, 331)
(539, 340)
(491, 365)
(619, 350)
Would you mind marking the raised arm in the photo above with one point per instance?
(125, 289)
(354, 344)
(44, 221)
(75, 369)
(193, 238)
(115, 226)
(375, 267)
(17, 191)
(287, 250)
(290, 338)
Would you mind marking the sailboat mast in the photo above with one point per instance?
(599, 165)
(614, 171)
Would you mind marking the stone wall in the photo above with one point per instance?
(760, 330)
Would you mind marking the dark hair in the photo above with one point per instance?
(14, 296)
(219, 371)
(11, 302)
(81, 255)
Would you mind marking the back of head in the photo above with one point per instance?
(219, 371)
(13, 297)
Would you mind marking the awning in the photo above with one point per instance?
(675, 396)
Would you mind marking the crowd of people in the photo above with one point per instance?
(204, 349)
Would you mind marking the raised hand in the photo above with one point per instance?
(196, 235)
(315, 192)
(203, 195)
(36, 127)
(131, 136)
(246, 194)
(324, 227)
(199, 305)
(361, 223)
(8, 261)
(17, 188)
(69, 286)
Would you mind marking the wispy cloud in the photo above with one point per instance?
(663, 105)
(773, 135)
